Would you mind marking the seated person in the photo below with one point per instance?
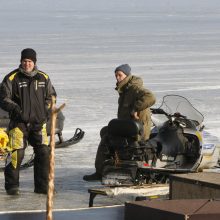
(133, 103)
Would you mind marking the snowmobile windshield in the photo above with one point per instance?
(178, 104)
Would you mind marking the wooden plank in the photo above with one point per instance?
(148, 191)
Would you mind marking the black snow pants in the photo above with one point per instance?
(20, 135)
(101, 151)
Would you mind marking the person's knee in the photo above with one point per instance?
(104, 131)
(16, 139)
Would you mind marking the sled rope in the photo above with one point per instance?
(50, 193)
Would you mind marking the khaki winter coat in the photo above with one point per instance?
(133, 97)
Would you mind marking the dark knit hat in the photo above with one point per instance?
(30, 54)
(125, 68)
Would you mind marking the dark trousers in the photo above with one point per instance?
(101, 151)
(19, 135)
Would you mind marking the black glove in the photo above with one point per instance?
(15, 114)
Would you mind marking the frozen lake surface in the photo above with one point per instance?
(173, 45)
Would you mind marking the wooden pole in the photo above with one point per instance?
(50, 192)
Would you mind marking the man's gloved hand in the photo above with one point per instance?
(15, 114)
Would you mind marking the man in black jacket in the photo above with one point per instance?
(25, 94)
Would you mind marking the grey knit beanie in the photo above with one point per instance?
(125, 68)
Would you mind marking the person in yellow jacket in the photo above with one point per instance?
(25, 93)
(133, 103)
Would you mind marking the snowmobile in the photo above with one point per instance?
(61, 143)
(178, 143)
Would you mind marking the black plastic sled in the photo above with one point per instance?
(77, 137)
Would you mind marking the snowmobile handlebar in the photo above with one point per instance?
(162, 112)
(159, 111)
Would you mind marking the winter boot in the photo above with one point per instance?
(93, 177)
(13, 191)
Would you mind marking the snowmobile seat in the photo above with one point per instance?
(125, 128)
(123, 137)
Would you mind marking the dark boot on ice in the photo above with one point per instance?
(93, 177)
(13, 191)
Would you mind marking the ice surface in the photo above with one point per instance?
(173, 45)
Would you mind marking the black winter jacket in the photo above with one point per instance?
(30, 94)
